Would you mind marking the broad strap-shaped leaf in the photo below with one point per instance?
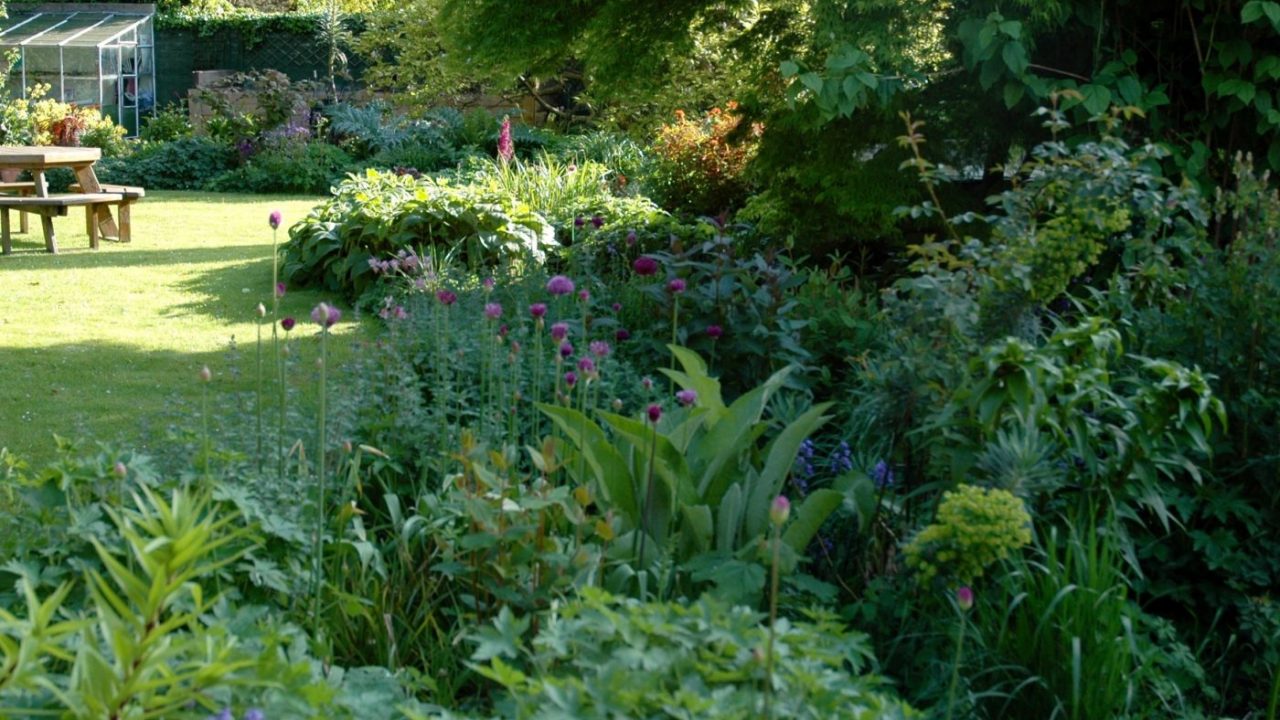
(669, 463)
(615, 481)
(778, 463)
(808, 518)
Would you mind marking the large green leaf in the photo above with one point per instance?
(781, 457)
(809, 516)
(615, 483)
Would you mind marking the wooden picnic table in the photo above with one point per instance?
(38, 160)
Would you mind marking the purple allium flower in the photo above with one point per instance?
(559, 331)
(578, 221)
(597, 222)
(274, 219)
(714, 331)
(287, 324)
(676, 286)
(646, 383)
(506, 148)
(622, 335)
(599, 348)
(399, 313)
(964, 598)
(654, 412)
(559, 285)
(280, 288)
(645, 265)
(206, 374)
(616, 307)
(538, 310)
(493, 311)
(325, 315)
(489, 283)
(780, 510)
(687, 397)
(583, 295)
(446, 297)
(120, 469)
(570, 379)
(566, 349)
(503, 330)
(631, 238)
(586, 365)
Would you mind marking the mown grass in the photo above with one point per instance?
(106, 343)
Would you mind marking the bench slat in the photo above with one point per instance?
(60, 200)
(129, 191)
(8, 186)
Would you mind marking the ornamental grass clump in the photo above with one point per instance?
(975, 528)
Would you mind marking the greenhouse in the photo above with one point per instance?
(104, 57)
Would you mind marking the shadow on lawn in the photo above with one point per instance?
(108, 391)
(74, 254)
(134, 398)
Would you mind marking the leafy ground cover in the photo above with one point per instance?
(104, 343)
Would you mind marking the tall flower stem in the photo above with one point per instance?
(675, 323)
(320, 473)
(259, 404)
(773, 621)
(955, 668)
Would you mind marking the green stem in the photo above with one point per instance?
(259, 408)
(320, 470)
(773, 621)
(648, 496)
(955, 669)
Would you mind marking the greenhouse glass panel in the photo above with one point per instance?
(100, 54)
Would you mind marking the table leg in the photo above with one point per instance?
(89, 184)
(50, 242)
(46, 220)
(6, 243)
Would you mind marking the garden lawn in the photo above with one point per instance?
(109, 343)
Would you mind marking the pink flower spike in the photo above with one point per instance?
(780, 510)
(964, 598)
(506, 148)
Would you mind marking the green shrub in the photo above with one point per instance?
(602, 657)
(170, 123)
(975, 528)
(185, 164)
(378, 214)
(699, 166)
(310, 168)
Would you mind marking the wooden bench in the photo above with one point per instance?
(48, 207)
(130, 193)
(22, 187)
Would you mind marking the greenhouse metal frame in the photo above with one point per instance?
(90, 54)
